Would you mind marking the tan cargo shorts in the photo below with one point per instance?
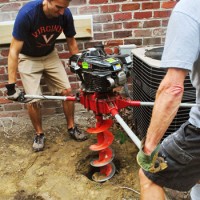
(50, 67)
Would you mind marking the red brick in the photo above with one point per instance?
(102, 18)
(88, 10)
(3, 77)
(117, 1)
(78, 2)
(13, 106)
(91, 44)
(2, 70)
(143, 33)
(98, 1)
(152, 23)
(97, 27)
(113, 26)
(2, 85)
(108, 51)
(142, 15)
(3, 61)
(152, 5)
(122, 34)
(131, 6)
(137, 42)
(4, 1)
(165, 22)
(128, 25)
(114, 43)
(122, 16)
(116, 50)
(168, 5)
(5, 52)
(10, 7)
(102, 36)
(64, 55)
(3, 101)
(109, 8)
(151, 41)
(159, 32)
(162, 14)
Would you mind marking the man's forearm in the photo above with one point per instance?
(168, 99)
(13, 56)
(72, 45)
(12, 68)
(165, 109)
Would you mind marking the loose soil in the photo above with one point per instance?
(63, 171)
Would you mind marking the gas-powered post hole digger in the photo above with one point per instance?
(100, 74)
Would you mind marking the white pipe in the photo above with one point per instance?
(130, 133)
(181, 104)
(73, 98)
(46, 97)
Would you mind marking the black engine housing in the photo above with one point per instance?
(99, 72)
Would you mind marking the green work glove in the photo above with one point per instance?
(151, 163)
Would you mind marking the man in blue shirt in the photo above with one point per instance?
(32, 52)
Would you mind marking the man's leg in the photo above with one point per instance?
(68, 108)
(36, 119)
(149, 190)
(34, 112)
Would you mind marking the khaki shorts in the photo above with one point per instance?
(32, 69)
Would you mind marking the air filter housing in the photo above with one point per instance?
(147, 76)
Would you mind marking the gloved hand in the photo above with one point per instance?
(12, 92)
(151, 163)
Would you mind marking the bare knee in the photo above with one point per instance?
(67, 92)
(150, 190)
(144, 181)
(33, 105)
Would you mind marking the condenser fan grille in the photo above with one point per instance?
(146, 79)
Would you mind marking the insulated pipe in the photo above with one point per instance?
(130, 133)
(181, 104)
(64, 98)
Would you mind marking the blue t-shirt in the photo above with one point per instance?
(37, 31)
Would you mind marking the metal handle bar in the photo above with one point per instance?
(73, 98)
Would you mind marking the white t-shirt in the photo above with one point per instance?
(182, 46)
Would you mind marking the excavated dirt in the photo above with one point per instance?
(63, 171)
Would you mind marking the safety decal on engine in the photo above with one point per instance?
(85, 65)
(117, 67)
(110, 60)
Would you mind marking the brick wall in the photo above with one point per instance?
(115, 22)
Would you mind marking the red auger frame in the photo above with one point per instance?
(103, 104)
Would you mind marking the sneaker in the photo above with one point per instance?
(38, 143)
(76, 134)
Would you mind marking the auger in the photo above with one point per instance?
(99, 75)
